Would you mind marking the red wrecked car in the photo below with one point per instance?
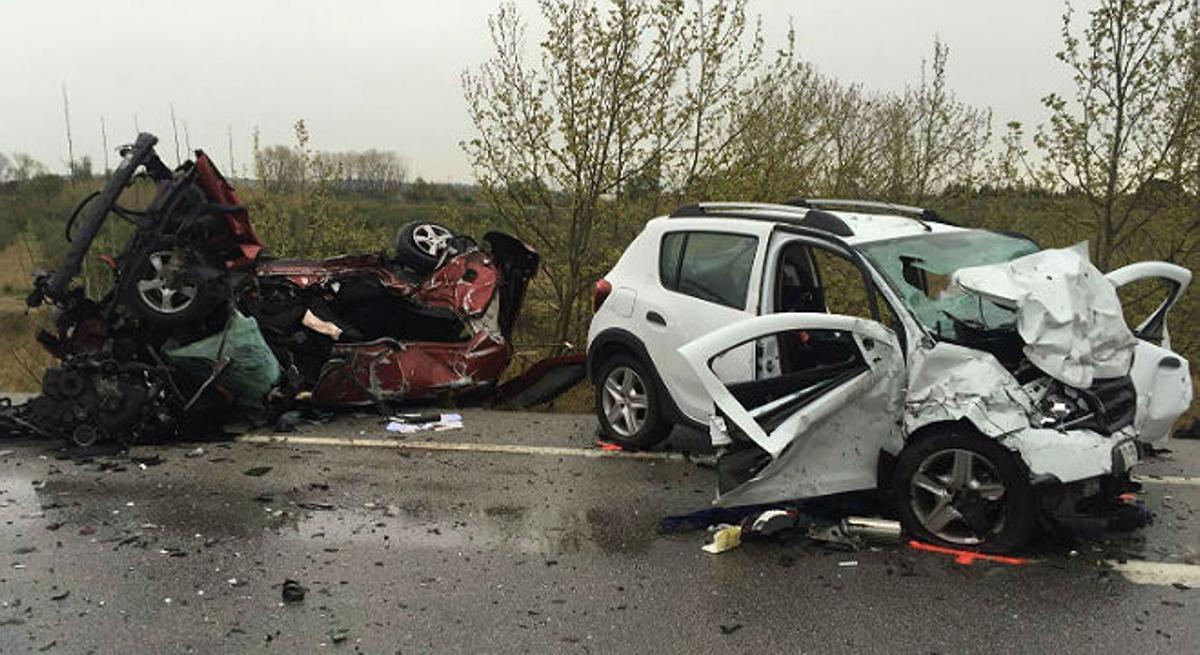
(434, 316)
(200, 323)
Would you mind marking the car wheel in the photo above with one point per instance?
(420, 245)
(628, 404)
(961, 489)
(164, 291)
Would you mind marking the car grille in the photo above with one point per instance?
(1113, 403)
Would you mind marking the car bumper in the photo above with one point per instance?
(1093, 505)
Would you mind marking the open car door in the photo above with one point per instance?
(1174, 279)
(819, 425)
(1160, 376)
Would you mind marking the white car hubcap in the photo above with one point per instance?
(430, 239)
(958, 495)
(624, 401)
(161, 290)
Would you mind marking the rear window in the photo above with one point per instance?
(711, 266)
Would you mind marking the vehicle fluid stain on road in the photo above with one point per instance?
(553, 531)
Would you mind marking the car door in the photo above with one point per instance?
(821, 423)
(1160, 376)
(709, 281)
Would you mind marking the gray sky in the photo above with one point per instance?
(379, 74)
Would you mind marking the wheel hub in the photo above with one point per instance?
(624, 401)
(958, 496)
(431, 239)
(165, 288)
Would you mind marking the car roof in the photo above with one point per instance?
(879, 222)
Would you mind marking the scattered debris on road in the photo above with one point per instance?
(724, 538)
(293, 592)
(412, 423)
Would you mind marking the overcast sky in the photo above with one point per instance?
(386, 74)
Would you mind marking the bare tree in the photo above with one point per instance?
(25, 168)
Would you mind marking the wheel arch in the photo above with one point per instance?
(935, 427)
(617, 341)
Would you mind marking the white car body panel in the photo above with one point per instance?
(686, 317)
(1073, 327)
(828, 446)
(1068, 313)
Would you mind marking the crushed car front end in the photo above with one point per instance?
(1033, 351)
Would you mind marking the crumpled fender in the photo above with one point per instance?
(1067, 456)
(951, 383)
(464, 285)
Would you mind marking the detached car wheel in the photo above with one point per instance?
(961, 489)
(167, 291)
(628, 405)
(420, 245)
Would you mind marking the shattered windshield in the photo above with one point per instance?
(918, 268)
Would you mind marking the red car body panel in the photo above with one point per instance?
(385, 369)
(221, 192)
(464, 287)
(306, 273)
(465, 284)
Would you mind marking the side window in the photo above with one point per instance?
(845, 289)
(669, 257)
(711, 266)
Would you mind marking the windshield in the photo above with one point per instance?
(918, 269)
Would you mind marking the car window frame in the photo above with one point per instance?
(687, 232)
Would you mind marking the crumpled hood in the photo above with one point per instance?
(1068, 313)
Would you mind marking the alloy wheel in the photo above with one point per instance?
(430, 238)
(161, 290)
(624, 401)
(958, 496)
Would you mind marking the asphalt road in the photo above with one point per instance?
(176, 549)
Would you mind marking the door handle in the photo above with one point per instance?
(656, 318)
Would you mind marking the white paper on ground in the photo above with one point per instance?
(446, 422)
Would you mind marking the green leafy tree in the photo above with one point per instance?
(622, 97)
(1130, 117)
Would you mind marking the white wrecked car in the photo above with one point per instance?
(981, 383)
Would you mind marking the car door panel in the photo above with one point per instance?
(1160, 376)
(683, 319)
(1177, 279)
(675, 316)
(822, 428)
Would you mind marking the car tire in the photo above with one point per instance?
(420, 244)
(188, 302)
(961, 489)
(629, 405)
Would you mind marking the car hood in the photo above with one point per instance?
(1068, 313)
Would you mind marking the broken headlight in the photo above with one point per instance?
(1106, 406)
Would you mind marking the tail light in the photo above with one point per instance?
(603, 288)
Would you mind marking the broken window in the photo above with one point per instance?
(919, 269)
(810, 363)
(711, 266)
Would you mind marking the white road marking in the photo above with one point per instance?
(1167, 479)
(1158, 573)
(452, 446)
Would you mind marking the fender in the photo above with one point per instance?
(625, 340)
